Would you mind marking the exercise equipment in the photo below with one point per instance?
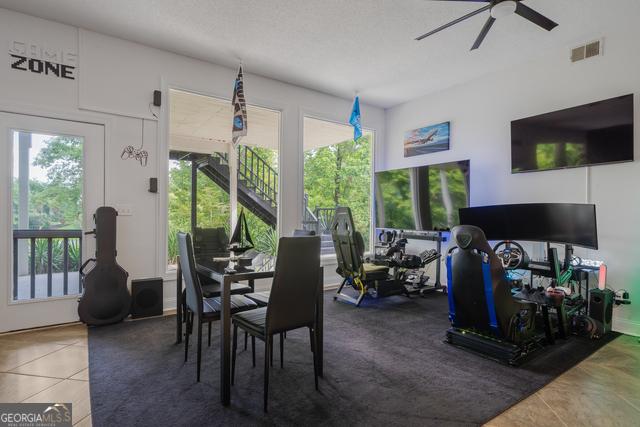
(484, 316)
(105, 298)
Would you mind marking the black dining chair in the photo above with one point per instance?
(203, 309)
(292, 302)
(262, 298)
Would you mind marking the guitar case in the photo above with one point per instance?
(106, 298)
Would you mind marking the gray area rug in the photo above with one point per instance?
(385, 364)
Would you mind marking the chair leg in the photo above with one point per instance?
(191, 322)
(281, 350)
(186, 337)
(246, 337)
(184, 306)
(233, 354)
(315, 361)
(209, 339)
(199, 346)
(271, 349)
(311, 341)
(253, 350)
(267, 343)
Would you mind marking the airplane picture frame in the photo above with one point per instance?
(426, 140)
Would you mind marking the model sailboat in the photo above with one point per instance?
(241, 239)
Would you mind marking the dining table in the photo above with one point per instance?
(219, 271)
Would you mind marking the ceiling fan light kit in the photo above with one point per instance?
(497, 9)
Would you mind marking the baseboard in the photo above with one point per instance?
(169, 304)
(626, 326)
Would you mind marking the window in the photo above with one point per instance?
(47, 212)
(337, 172)
(200, 166)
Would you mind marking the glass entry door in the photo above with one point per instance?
(55, 183)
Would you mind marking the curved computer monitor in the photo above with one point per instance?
(567, 223)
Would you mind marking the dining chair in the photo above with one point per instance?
(198, 307)
(292, 302)
(262, 299)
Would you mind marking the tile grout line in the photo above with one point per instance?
(44, 389)
(549, 406)
(84, 418)
(628, 402)
(38, 358)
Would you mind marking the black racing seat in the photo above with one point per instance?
(479, 295)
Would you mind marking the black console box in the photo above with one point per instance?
(385, 288)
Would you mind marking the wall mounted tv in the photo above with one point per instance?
(591, 134)
(422, 198)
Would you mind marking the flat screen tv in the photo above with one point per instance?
(591, 134)
(568, 223)
(422, 198)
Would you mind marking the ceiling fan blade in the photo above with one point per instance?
(467, 16)
(483, 32)
(527, 13)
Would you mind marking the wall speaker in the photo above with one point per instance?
(601, 308)
(146, 297)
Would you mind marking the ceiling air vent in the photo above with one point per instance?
(586, 51)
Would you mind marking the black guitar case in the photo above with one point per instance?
(106, 298)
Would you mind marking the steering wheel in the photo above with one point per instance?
(512, 256)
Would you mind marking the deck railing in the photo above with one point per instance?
(319, 219)
(53, 262)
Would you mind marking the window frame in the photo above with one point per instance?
(163, 168)
(331, 258)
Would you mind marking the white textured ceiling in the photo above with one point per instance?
(340, 46)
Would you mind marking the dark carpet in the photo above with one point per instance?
(385, 364)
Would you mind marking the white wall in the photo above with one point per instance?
(480, 113)
(115, 82)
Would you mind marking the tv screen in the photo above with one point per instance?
(567, 223)
(591, 134)
(422, 198)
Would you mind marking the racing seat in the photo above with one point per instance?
(480, 299)
(363, 277)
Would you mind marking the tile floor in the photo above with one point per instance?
(47, 365)
(604, 390)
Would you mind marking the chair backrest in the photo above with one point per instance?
(345, 243)
(302, 233)
(191, 280)
(294, 291)
(210, 242)
(479, 294)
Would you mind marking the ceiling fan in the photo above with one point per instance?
(497, 9)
